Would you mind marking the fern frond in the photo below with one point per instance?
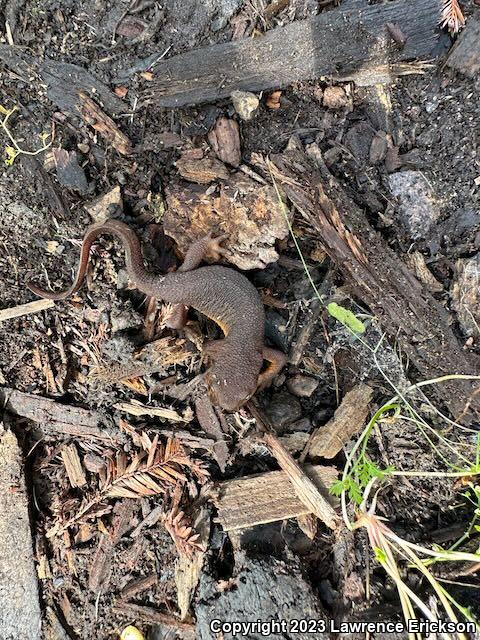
(157, 469)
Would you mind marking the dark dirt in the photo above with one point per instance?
(433, 130)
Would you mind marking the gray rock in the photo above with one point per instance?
(245, 104)
(466, 294)
(283, 410)
(302, 386)
(418, 208)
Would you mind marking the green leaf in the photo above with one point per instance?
(338, 487)
(351, 488)
(380, 555)
(346, 317)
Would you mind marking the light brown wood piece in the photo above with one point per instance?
(98, 119)
(308, 492)
(152, 616)
(265, 497)
(348, 420)
(73, 466)
(25, 309)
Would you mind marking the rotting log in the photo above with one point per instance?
(406, 310)
(351, 41)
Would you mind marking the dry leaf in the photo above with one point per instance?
(273, 100)
(184, 536)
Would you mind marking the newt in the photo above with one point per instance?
(222, 294)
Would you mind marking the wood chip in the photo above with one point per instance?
(416, 262)
(139, 409)
(73, 466)
(25, 309)
(101, 122)
(189, 567)
(210, 423)
(225, 141)
(105, 206)
(349, 419)
(265, 497)
(138, 585)
(153, 616)
(202, 170)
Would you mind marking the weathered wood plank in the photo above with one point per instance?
(54, 418)
(465, 55)
(266, 497)
(346, 40)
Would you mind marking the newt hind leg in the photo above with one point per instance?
(276, 361)
(202, 248)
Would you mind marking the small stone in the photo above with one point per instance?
(417, 205)
(83, 147)
(358, 140)
(54, 247)
(335, 98)
(245, 104)
(283, 410)
(318, 93)
(302, 386)
(105, 206)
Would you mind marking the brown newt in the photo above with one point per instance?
(222, 294)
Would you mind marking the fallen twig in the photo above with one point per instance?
(25, 309)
